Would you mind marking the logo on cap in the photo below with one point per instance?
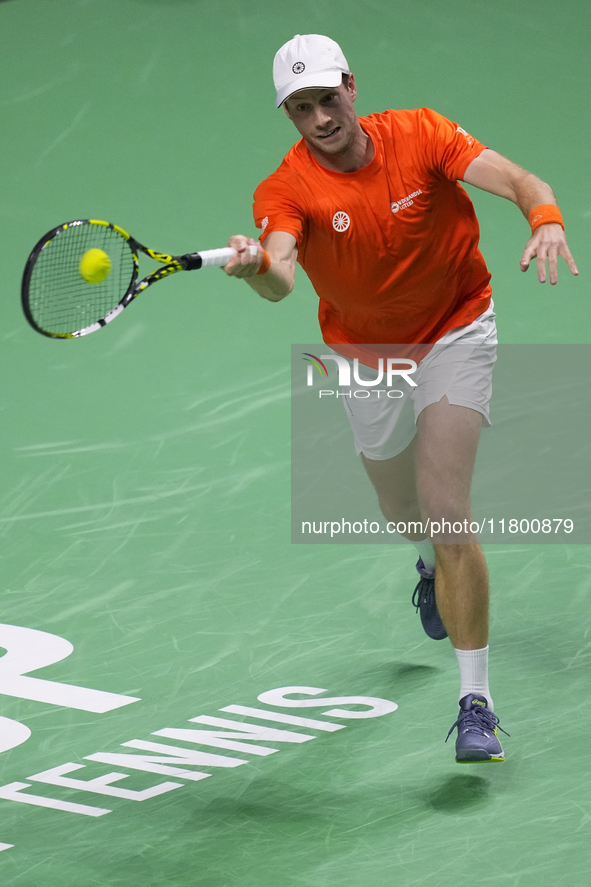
(298, 68)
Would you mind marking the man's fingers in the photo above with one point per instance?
(247, 259)
(238, 241)
(250, 253)
(528, 254)
(553, 265)
(247, 251)
(546, 247)
(541, 263)
(567, 256)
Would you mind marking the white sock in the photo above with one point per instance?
(474, 673)
(426, 553)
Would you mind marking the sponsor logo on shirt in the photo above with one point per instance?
(396, 206)
(340, 221)
(265, 222)
(469, 138)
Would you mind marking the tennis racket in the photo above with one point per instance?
(58, 301)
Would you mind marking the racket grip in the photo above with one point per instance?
(221, 256)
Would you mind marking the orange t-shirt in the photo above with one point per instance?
(392, 249)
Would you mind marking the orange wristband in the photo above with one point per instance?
(544, 215)
(265, 264)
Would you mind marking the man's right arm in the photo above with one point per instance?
(278, 281)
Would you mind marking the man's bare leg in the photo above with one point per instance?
(441, 462)
(446, 451)
(436, 468)
(394, 481)
(461, 589)
(443, 455)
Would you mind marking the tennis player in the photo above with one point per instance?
(373, 211)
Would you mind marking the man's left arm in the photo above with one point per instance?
(493, 172)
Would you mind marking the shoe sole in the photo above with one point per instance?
(489, 759)
(432, 623)
(435, 636)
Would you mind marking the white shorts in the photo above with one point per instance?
(458, 367)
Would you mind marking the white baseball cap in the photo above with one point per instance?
(307, 61)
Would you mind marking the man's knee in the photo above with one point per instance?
(399, 508)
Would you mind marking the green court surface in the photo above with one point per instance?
(145, 498)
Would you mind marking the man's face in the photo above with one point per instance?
(325, 117)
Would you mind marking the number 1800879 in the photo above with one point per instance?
(535, 525)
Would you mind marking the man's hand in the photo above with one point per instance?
(547, 243)
(494, 173)
(278, 280)
(247, 261)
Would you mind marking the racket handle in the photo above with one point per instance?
(221, 256)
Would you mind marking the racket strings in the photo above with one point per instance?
(60, 299)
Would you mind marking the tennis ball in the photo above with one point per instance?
(95, 266)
